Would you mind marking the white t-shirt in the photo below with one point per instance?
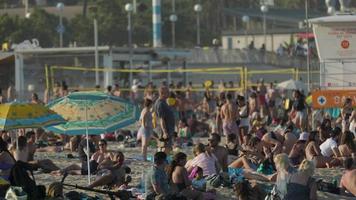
(353, 127)
(327, 146)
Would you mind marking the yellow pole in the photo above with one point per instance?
(52, 75)
(246, 79)
(47, 77)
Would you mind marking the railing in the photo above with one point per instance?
(237, 56)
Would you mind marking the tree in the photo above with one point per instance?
(41, 26)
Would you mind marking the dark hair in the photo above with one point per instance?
(231, 137)
(240, 98)
(348, 163)
(22, 142)
(335, 132)
(199, 169)
(228, 96)
(109, 88)
(3, 145)
(216, 136)
(35, 96)
(176, 159)
(29, 134)
(147, 103)
(254, 141)
(312, 136)
(160, 158)
(103, 141)
(184, 121)
(120, 156)
(199, 148)
(348, 138)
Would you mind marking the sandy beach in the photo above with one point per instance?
(138, 167)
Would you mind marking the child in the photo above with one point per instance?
(146, 128)
(199, 182)
(184, 134)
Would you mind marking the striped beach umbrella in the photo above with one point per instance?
(27, 115)
(92, 113)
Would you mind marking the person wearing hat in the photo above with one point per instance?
(297, 154)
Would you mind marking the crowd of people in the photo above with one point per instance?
(262, 134)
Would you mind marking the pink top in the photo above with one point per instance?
(204, 161)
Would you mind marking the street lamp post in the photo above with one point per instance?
(129, 9)
(264, 10)
(173, 18)
(198, 9)
(60, 28)
(97, 80)
(308, 50)
(246, 20)
(26, 9)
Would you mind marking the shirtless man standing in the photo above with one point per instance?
(229, 115)
(220, 152)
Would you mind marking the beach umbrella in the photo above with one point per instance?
(92, 113)
(27, 115)
(292, 85)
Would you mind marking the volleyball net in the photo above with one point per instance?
(84, 78)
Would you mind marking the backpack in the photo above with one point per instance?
(19, 176)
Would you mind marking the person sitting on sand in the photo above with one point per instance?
(20, 149)
(301, 185)
(203, 159)
(272, 143)
(313, 152)
(347, 146)
(183, 130)
(96, 159)
(289, 139)
(156, 181)
(21, 152)
(110, 171)
(102, 153)
(284, 171)
(220, 152)
(252, 155)
(329, 148)
(348, 179)
(179, 178)
(232, 148)
(31, 140)
(6, 160)
(297, 154)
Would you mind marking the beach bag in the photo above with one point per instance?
(16, 193)
(19, 176)
(273, 195)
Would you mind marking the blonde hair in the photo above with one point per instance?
(281, 161)
(282, 164)
(307, 167)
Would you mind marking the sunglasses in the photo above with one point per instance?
(101, 144)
